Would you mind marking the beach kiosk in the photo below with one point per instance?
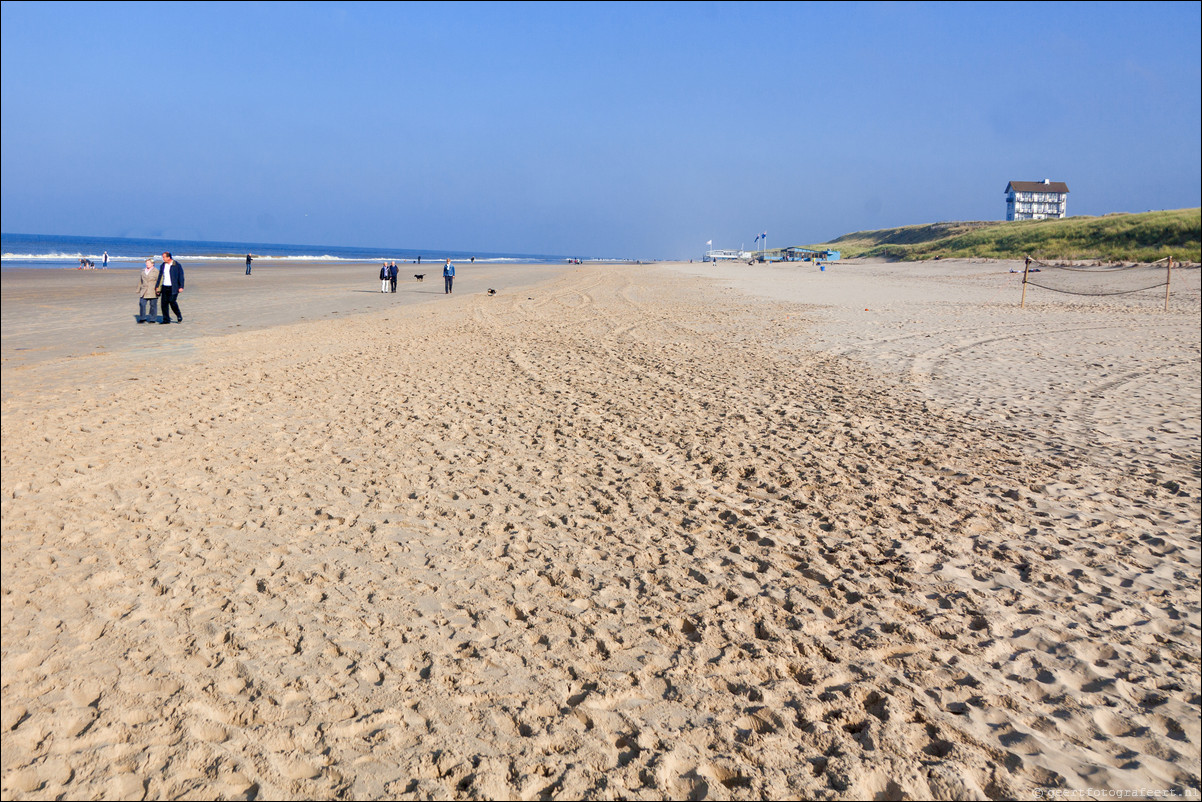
(798, 254)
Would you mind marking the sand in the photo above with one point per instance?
(672, 531)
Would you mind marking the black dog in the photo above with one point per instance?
(491, 291)
(419, 276)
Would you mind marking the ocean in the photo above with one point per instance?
(47, 251)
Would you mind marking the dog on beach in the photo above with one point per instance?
(491, 291)
(419, 276)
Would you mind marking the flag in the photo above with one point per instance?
(709, 242)
(757, 238)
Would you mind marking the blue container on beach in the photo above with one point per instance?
(822, 267)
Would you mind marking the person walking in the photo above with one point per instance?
(393, 272)
(148, 294)
(448, 277)
(384, 277)
(171, 284)
(248, 261)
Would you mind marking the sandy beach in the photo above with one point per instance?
(641, 532)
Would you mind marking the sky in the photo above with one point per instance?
(631, 130)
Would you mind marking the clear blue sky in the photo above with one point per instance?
(611, 129)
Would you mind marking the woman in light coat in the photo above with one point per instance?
(148, 293)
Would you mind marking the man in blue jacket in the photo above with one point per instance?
(171, 284)
(448, 276)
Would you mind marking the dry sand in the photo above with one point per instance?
(615, 532)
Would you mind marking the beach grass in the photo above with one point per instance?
(1144, 237)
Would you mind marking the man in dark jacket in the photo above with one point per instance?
(392, 275)
(171, 284)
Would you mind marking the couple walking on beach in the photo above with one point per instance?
(164, 283)
(388, 277)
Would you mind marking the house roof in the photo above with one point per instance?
(1037, 186)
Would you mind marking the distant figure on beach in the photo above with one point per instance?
(148, 294)
(392, 276)
(419, 260)
(473, 260)
(384, 277)
(171, 284)
(105, 260)
(448, 276)
(248, 261)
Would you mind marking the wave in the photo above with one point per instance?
(204, 257)
(60, 256)
(44, 250)
(208, 257)
(73, 257)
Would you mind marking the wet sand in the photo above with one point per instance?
(57, 315)
(673, 531)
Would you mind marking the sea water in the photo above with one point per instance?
(47, 251)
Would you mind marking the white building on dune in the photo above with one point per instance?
(1036, 200)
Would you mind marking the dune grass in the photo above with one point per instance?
(1144, 237)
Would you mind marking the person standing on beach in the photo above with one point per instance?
(105, 260)
(384, 277)
(248, 261)
(148, 294)
(393, 272)
(171, 284)
(448, 277)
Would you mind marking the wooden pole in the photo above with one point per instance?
(1168, 279)
(1026, 268)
